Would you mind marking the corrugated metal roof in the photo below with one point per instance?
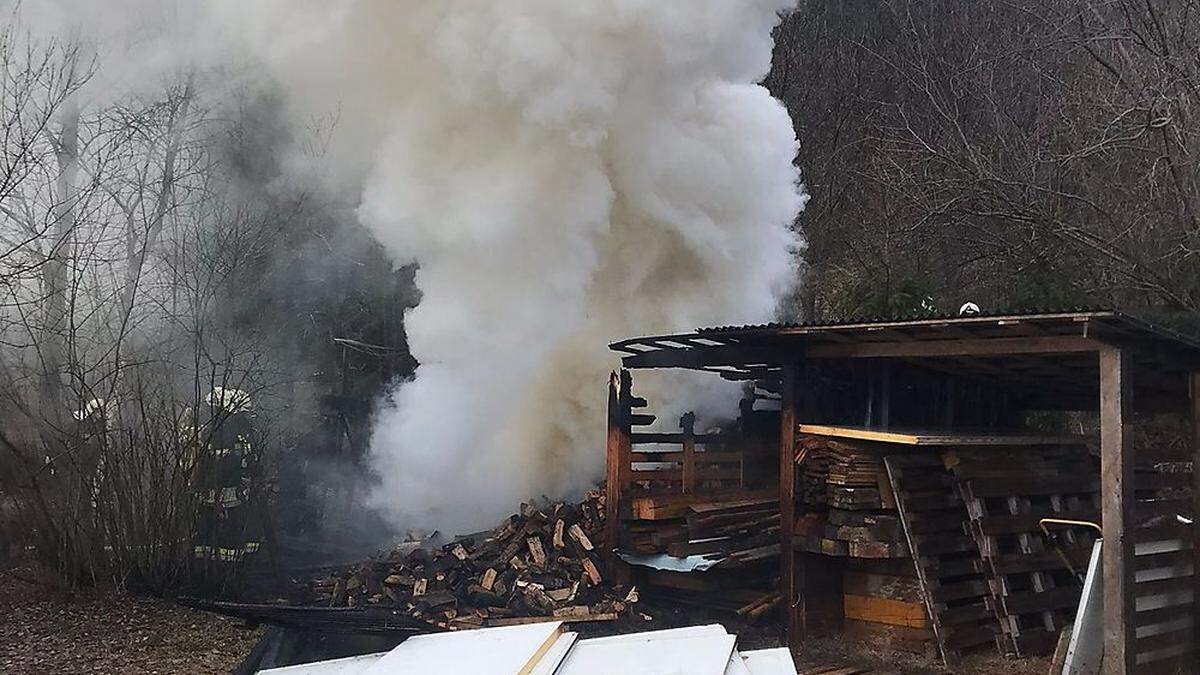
(751, 351)
(867, 319)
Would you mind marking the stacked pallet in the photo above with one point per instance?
(953, 583)
(1033, 589)
(1165, 581)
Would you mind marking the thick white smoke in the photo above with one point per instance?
(565, 174)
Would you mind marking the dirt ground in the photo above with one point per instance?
(816, 655)
(44, 632)
(881, 660)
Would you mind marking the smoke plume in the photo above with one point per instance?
(564, 174)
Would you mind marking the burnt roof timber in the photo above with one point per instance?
(699, 357)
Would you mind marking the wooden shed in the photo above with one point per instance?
(974, 392)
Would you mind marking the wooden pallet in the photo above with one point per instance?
(1033, 591)
(954, 588)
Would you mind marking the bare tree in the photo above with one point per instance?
(1008, 152)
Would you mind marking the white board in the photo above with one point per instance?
(777, 661)
(736, 665)
(507, 650)
(686, 631)
(351, 665)
(648, 654)
(548, 664)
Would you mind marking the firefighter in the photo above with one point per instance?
(222, 477)
(92, 427)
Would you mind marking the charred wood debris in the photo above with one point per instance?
(541, 563)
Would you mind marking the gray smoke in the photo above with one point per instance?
(563, 173)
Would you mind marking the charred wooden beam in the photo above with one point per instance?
(324, 619)
(617, 461)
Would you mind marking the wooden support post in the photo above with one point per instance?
(1116, 471)
(818, 577)
(618, 468)
(1194, 392)
(687, 424)
(787, 506)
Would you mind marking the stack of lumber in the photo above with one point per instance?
(882, 600)
(736, 527)
(814, 479)
(736, 533)
(856, 478)
(847, 484)
(859, 534)
(541, 562)
(742, 531)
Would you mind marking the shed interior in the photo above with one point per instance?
(968, 398)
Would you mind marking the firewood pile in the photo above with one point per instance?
(541, 563)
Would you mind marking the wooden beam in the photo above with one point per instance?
(618, 470)
(1057, 344)
(1116, 471)
(937, 438)
(1194, 392)
(787, 506)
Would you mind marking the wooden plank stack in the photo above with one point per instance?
(847, 483)
(543, 562)
(739, 526)
(740, 529)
